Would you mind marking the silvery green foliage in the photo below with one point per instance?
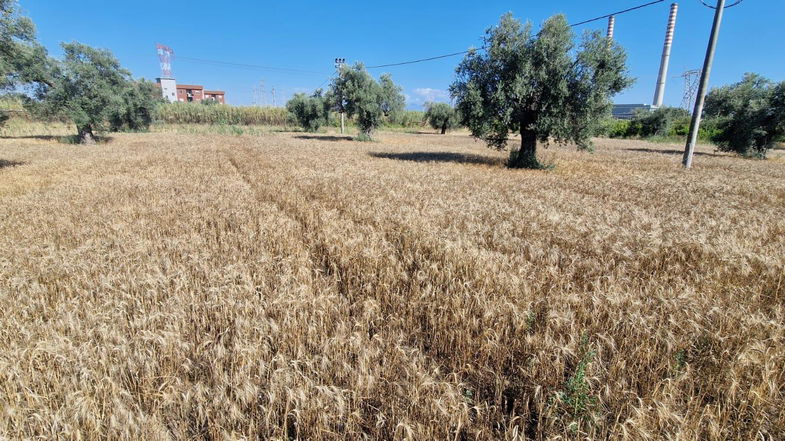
(22, 59)
(750, 115)
(311, 112)
(355, 92)
(441, 116)
(539, 85)
(87, 86)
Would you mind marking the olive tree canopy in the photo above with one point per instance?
(87, 87)
(441, 116)
(538, 85)
(357, 93)
(750, 115)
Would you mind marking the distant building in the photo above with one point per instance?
(627, 111)
(173, 92)
(168, 88)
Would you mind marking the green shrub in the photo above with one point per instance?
(658, 122)
(613, 128)
(749, 115)
(135, 108)
(311, 112)
(441, 116)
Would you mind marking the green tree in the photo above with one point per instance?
(22, 59)
(750, 115)
(87, 87)
(311, 112)
(538, 85)
(356, 92)
(441, 116)
(136, 107)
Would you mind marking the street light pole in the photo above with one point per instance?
(338, 63)
(692, 139)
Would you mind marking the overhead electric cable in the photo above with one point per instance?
(726, 7)
(249, 66)
(467, 51)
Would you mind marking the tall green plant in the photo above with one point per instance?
(750, 115)
(135, 109)
(22, 59)
(311, 112)
(538, 85)
(356, 92)
(87, 86)
(441, 116)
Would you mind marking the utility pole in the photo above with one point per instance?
(338, 63)
(689, 149)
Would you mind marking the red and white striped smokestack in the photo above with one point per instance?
(659, 92)
(611, 26)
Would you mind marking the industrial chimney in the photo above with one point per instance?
(666, 55)
(611, 25)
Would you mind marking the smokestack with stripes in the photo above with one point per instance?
(666, 55)
(611, 26)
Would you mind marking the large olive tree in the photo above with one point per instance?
(357, 93)
(538, 85)
(87, 87)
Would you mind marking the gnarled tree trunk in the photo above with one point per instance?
(86, 135)
(526, 157)
(444, 128)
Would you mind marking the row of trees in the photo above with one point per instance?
(87, 86)
(535, 84)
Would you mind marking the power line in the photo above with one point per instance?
(249, 66)
(484, 47)
(618, 13)
(714, 7)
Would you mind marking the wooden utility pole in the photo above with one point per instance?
(692, 139)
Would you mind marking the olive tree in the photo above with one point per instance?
(750, 115)
(539, 85)
(135, 108)
(441, 116)
(22, 59)
(357, 93)
(311, 112)
(87, 86)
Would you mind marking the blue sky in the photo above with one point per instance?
(308, 35)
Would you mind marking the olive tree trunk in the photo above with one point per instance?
(86, 135)
(444, 128)
(526, 156)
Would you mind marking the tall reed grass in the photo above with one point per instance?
(195, 113)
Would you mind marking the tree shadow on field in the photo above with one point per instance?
(4, 163)
(65, 139)
(670, 152)
(39, 137)
(325, 137)
(460, 158)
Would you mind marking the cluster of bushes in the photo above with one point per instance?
(665, 122)
(747, 118)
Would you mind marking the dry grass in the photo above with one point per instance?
(184, 286)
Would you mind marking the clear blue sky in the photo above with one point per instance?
(308, 35)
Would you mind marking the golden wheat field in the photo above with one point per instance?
(291, 286)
